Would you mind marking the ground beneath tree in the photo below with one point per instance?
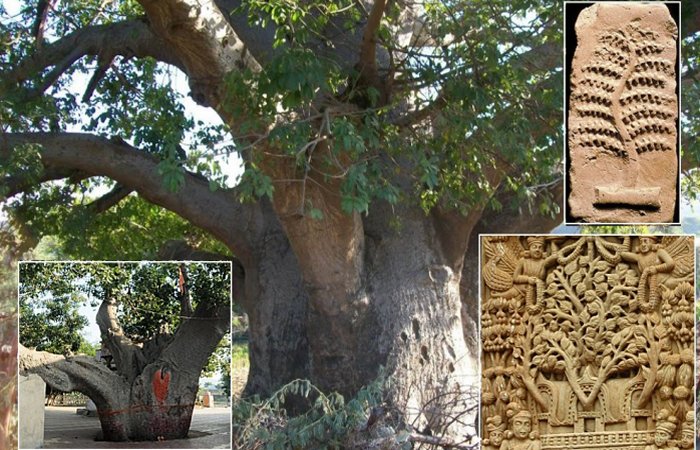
(63, 428)
(238, 380)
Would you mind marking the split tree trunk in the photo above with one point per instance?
(152, 393)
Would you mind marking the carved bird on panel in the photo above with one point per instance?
(502, 255)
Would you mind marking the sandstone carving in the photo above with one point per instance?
(622, 115)
(587, 342)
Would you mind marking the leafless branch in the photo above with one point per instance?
(185, 299)
(78, 373)
(103, 64)
(127, 356)
(368, 49)
(42, 12)
(110, 199)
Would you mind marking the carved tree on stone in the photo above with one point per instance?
(607, 346)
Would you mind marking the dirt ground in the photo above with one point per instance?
(238, 380)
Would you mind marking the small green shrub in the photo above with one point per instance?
(327, 424)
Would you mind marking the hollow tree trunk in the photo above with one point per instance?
(159, 406)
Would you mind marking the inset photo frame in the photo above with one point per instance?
(622, 114)
(141, 351)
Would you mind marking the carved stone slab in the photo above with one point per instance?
(587, 342)
(622, 115)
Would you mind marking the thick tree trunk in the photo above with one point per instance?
(276, 304)
(413, 326)
(404, 317)
(156, 405)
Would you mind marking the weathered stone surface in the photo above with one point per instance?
(622, 115)
(587, 342)
(31, 414)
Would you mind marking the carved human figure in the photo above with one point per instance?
(665, 427)
(530, 271)
(688, 430)
(651, 261)
(522, 439)
(496, 428)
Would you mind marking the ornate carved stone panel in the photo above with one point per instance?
(587, 342)
(622, 115)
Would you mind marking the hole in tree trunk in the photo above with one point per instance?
(424, 353)
(416, 328)
(404, 336)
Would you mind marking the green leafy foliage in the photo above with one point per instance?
(497, 106)
(690, 120)
(148, 295)
(52, 321)
(327, 424)
(134, 229)
(133, 102)
(501, 109)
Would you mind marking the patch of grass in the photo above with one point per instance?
(239, 357)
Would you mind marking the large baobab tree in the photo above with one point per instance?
(159, 324)
(376, 138)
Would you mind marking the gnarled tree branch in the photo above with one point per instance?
(129, 38)
(216, 212)
(203, 40)
(127, 355)
(110, 199)
(77, 373)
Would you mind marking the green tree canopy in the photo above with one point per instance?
(149, 295)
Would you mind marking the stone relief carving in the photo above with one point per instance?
(622, 115)
(587, 342)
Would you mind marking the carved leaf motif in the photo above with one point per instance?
(566, 306)
(580, 288)
(584, 316)
(605, 361)
(571, 267)
(627, 364)
(552, 289)
(576, 278)
(602, 266)
(568, 346)
(601, 289)
(616, 339)
(599, 277)
(617, 311)
(613, 279)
